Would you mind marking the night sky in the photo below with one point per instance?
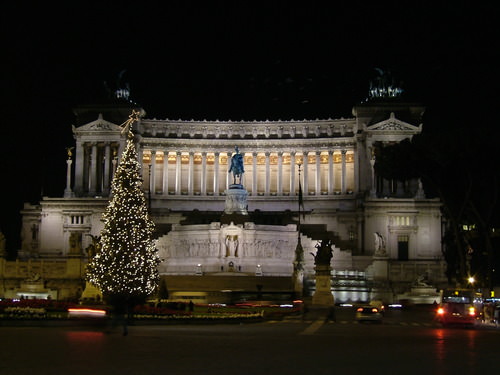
(238, 60)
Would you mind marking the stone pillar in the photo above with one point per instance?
(292, 173)
(67, 192)
(165, 172)
(79, 164)
(330, 172)
(305, 185)
(178, 167)
(115, 164)
(140, 156)
(373, 190)
(203, 181)
(107, 169)
(216, 173)
(152, 175)
(268, 173)
(191, 173)
(318, 174)
(254, 174)
(280, 173)
(343, 181)
(93, 170)
(228, 175)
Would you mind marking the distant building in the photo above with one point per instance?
(386, 234)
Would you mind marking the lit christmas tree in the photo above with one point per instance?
(125, 269)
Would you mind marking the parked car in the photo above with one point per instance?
(368, 314)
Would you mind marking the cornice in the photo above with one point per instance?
(247, 129)
(248, 145)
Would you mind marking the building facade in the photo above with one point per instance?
(386, 234)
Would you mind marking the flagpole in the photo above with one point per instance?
(300, 195)
(298, 264)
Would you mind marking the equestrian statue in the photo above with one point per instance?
(237, 166)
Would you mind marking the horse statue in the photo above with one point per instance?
(324, 254)
(237, 166)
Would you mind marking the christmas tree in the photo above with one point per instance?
(125, 269)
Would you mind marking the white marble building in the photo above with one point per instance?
(185, 171)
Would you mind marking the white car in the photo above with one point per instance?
(368, 314)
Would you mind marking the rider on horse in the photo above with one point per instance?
(237, 165)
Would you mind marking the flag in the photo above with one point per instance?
(301, 201)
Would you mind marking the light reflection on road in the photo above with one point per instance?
(449, 342)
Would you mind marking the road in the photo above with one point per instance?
(408, 342)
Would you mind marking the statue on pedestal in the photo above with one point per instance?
(232, 244)
(237, 166)
(324, 254)
(94, 247)
(379, 245)
(323, 295)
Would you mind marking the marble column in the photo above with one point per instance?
(165, 172)
(373, 190)
(107, 169)
(203, 181)
(216, 173)
(79, 166)
(93, 170)
(67, 192)
(343, 181)
(191, 173)
(330, 172)
(318, 173)
(228, 175)
(178, 166)
(268, 173)
(280, 173)
(152, 174)
(115, 164)
(305, 185)
(292, 173)
(254, 174)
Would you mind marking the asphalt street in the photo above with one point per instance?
(403, 343)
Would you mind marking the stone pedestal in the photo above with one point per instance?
(323, 295)
(380, 267)
(91, 293)
(236, 200)
(298, 282)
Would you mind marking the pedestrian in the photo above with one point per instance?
(331, 315)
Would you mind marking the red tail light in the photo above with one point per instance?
(440, 311)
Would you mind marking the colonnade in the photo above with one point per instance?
(95, 163)
(266, 173)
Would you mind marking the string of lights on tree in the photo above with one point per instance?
(127, 263)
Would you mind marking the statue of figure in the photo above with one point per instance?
(232, 245)
(69, 150)
(379, 244)
(94, 247)
(237, 166)
(422, 281)
(324, 254)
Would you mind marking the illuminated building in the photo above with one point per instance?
(386, 234)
